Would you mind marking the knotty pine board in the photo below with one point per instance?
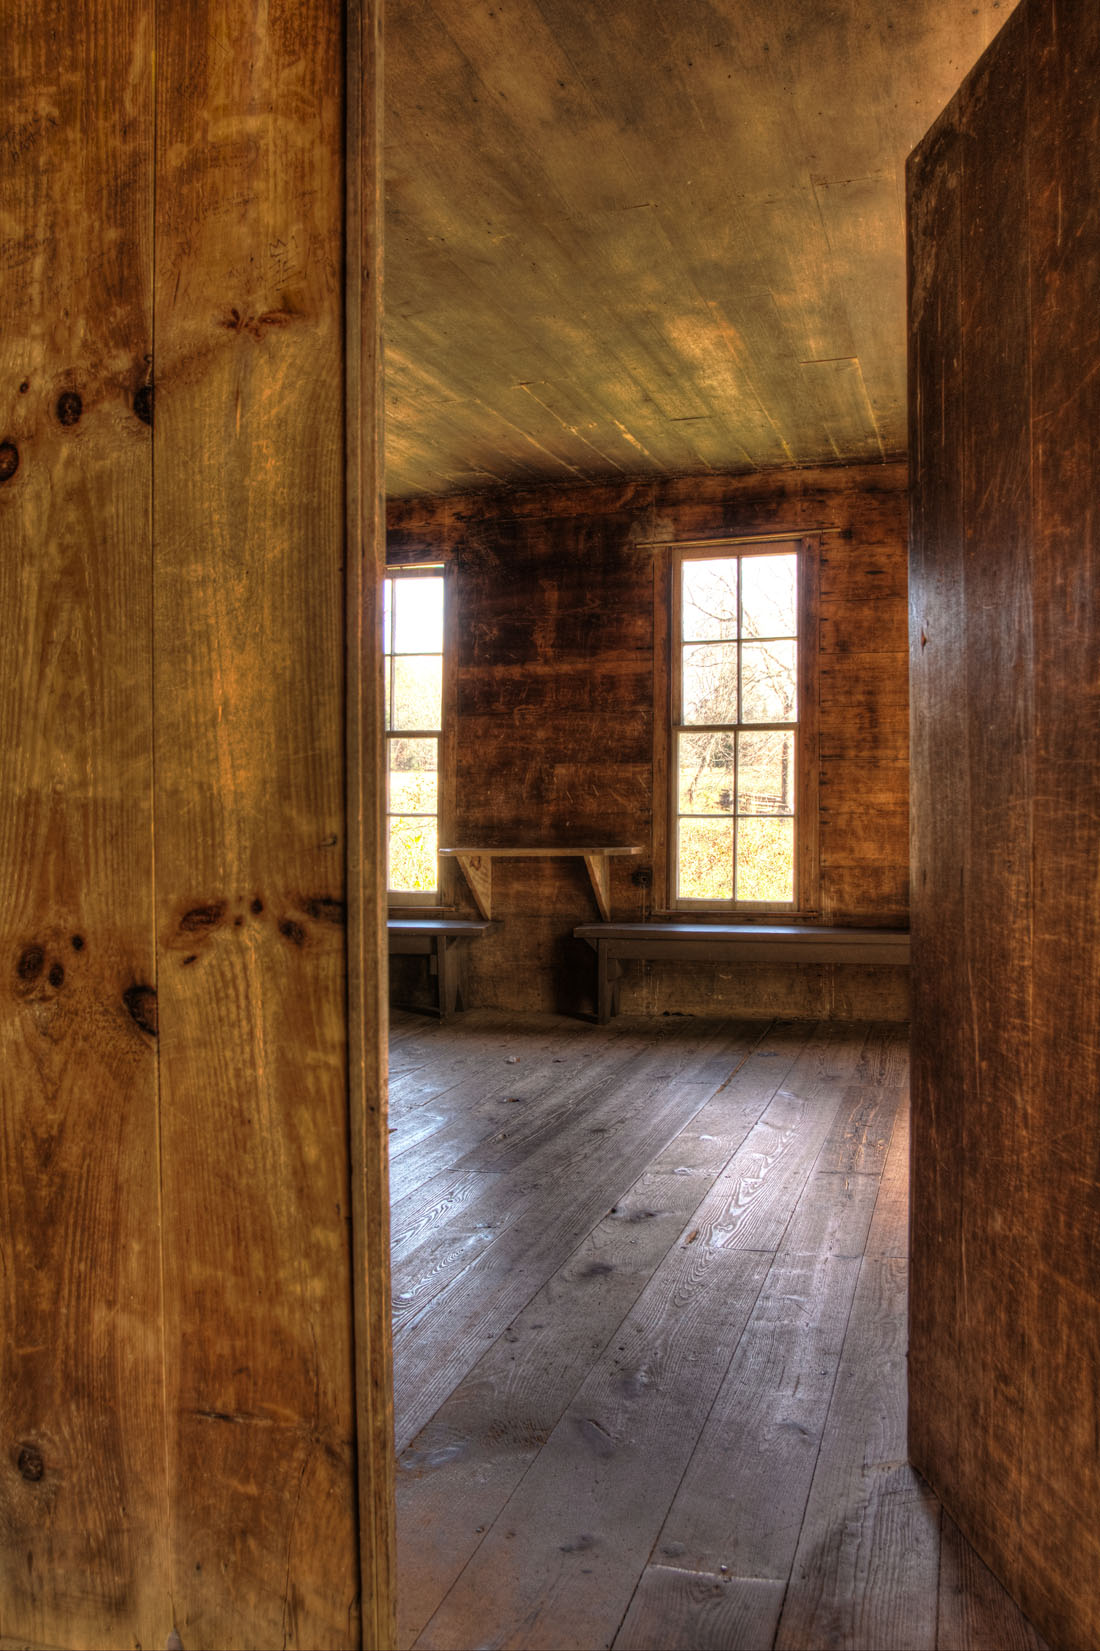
(83, 1499)
(188, 416)
(249, 662)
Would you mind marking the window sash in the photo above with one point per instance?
(679, 642)
(394, 576)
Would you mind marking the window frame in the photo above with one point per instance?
(668, 642)
(441, 898)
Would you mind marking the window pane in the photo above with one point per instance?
(710, 600)
(417, 691)
(710, 683)
(705, 773)
(706, 860)
(765, 859)
(418, 620)
(768, 595)
(768, 692)
(387, 615)
(765, 777)
(413, 862)
(414, 787)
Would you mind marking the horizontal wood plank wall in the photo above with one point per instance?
(555, 709)
(1005, 1330)
(189, 1122)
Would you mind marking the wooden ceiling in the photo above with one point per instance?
(641, 237)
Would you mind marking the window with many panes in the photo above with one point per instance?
(735, 727)
(414, 731)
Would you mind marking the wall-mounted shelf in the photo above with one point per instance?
(477, 868)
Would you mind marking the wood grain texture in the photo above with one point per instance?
(597, 1488)
(178, 1188)
(457, 1475)
(720, 289)
(83, 1510)
(867, 1563)
(558, 605)
(1005, 1225)
(252, 836)
(367, 973)
(974, 1610)
(611, 1469)
(587, 1166)
(686, 1611)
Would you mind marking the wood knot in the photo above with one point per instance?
(30, 1464)
(200, 918)
(292, 931)
(77, 943)
(141, 1006)
(9, 460)
(69, 408)
(324, 909)
(31, 962)
(143, 404)
(56, 976)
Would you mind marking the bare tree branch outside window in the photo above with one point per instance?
(735, 742)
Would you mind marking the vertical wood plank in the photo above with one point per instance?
(995, 687)
(1060, 1465)
(1006, 1222)
(82, 1510)
(368, 1006)
(251, 825)
(940, 787)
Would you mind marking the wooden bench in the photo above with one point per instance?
(731, 943)
(443, 941)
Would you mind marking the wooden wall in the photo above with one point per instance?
(555, 595)
(1005, 374)
(190, 1057)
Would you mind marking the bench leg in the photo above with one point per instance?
(451, 963)
(447, 979)
(608, 971)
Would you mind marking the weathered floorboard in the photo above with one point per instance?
(677, 1418)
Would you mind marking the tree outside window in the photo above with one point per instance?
(413, 646)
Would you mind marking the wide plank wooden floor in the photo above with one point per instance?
(649, 1309)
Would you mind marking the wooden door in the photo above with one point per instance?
(195, 1383)
(1005, 675)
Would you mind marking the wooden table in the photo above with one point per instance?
(477, 868)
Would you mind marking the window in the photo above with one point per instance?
(413, 643)
(736, 750)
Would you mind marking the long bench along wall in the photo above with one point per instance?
(555, 640)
